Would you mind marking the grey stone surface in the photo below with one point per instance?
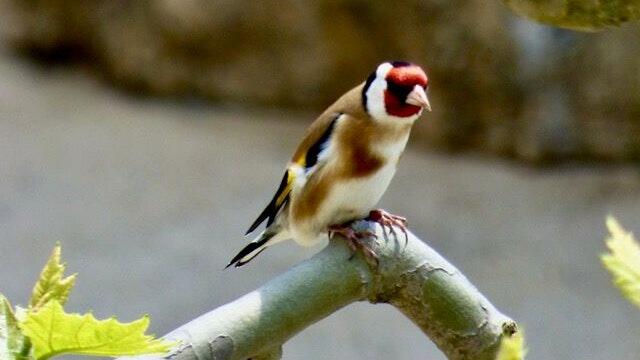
(150, 200)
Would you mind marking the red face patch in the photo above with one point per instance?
(397, 107)
(400, 81)
(408, 76)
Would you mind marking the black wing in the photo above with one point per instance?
(281, 197)
(279, 200)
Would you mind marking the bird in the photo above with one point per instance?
(344, 163)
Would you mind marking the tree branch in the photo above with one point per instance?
(411, 276)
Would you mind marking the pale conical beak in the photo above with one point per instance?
(418, 97)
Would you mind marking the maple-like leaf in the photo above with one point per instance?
(53, 332)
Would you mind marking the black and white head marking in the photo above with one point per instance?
(373, 93)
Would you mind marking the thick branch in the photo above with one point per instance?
(410, 275)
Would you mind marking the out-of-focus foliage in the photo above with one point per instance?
(623, 262)
(584, 15)
(512, 347)
(45, 329)
(54, 332)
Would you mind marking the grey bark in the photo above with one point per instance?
(410, 276)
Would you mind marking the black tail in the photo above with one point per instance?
(251, 250)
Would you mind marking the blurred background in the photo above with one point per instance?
(146, 136)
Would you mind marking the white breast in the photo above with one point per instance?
(355, 198)
(351, 199)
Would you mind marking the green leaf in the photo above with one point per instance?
(512, 347)
(54, 332)
(623, 262)
(52, 284)
(578, 14)
(13, 344)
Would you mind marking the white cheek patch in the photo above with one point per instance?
(375, 93)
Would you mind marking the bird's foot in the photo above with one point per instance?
(355, 241)
(388, 220)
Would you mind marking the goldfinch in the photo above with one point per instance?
(345, 162)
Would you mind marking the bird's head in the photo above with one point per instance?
(396, 90)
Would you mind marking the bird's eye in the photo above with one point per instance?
(401, 91)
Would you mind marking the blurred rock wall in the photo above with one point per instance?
(500, 84)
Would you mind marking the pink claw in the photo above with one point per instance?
(386, 219)
(354, 241)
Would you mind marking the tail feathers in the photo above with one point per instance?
(251, 250)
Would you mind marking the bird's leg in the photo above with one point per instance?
(354, 240)
(389, 220)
